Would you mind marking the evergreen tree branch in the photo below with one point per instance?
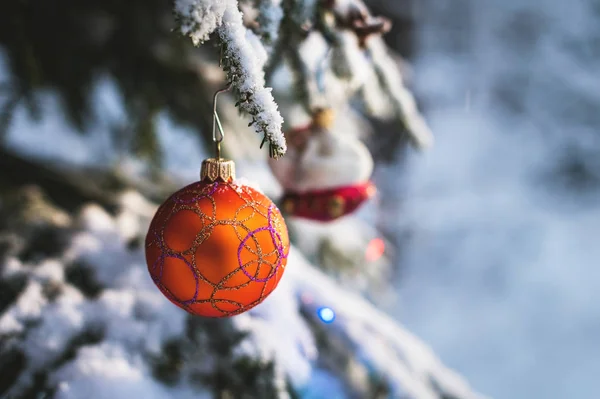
(403, 101)
(244, 59)
(269, 19)
(7, 112)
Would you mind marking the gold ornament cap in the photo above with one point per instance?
(214, 169)
(323, 118)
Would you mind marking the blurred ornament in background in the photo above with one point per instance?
(324, 175)
(327, 205)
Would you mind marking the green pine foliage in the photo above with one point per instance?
(65, 46)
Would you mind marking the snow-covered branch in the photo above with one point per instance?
(269, 18)
(90, 323)
(403, 101)
(199, 18)
(244, 59)
(359, 58)
(244, 62)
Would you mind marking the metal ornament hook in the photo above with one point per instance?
(217, 122)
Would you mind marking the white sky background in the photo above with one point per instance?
(502, 270)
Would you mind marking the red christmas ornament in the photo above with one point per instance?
(325, 176)
(217, 248)
(327, 205)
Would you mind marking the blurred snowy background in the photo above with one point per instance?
(502, 216)
(496, 225)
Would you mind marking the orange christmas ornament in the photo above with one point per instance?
(217, 248)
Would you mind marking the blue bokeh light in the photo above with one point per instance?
(327, 315)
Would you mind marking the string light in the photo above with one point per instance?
(326, 314)
(375, 250)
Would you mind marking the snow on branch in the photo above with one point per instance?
(358, 49)
(402, 99)
(199, 18)
(269, 18)
(359, 58)
(244, 59)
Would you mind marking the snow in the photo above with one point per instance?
(271, 324)
(9, 324)
(324, 384)
(30, 303)
(49, 270)
(108, 371)
(244, 56)
(259, 52)
(269, 19)
(103, 245)
(199, 18)
(303, 11)
(382, 345)
(349, 61)
(132, 316)
(97, 149)
(60, 322)
(248, 77)
(402, 99)
(11, 267)
(372, 73)
(134, 320)
(245, 182)
(342, 7)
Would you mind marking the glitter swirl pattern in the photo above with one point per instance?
(217, 249)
